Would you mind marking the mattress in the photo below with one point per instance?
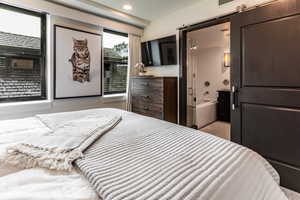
(247, 176)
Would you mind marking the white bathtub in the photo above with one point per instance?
(206, 113)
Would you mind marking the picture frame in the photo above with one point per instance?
(77, 63)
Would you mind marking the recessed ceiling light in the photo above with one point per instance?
(127, 7)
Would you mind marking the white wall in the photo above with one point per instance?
(26, 109)
(198, 12)
(207, 65)
(210, 68)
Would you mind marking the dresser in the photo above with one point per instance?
(223, 112)
(155, 97)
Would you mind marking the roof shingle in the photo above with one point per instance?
(21, 41)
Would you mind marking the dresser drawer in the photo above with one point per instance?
(149, 110)
(142, 97)
(146, 84)
(149, 114)
(148, 106)
(155, 97)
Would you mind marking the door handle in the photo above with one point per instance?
(233, 97)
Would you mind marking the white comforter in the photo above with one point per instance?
(38, 184)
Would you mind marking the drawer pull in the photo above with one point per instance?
(146, 108)
(147, 97)
(146, 84)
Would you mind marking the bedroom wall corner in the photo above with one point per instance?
(198, 12)
(31, 108)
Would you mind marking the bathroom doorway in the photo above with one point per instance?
(208, 79)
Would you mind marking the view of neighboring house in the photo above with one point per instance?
(115, 69)
(20, 74)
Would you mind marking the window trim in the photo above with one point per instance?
(42, 55)
(105, 30)
(121, 93)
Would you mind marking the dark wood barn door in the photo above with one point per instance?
(266, 77)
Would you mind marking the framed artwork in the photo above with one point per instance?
(77, 63)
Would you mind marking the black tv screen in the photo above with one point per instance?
(160, 52)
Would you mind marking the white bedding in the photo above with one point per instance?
(38, 184)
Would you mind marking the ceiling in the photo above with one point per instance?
(214, 36)
(141, 15)
(147, 9)
(102, 11)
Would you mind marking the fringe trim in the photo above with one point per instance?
(28, 156)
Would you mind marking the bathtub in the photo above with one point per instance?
(206, 113)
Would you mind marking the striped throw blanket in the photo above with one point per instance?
(148, 159)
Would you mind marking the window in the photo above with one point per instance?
(22, 54)
(115, 62)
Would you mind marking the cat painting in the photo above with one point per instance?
(81, 61)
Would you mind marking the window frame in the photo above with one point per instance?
(105, 30)
(35, 54)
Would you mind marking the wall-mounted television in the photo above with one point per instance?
(160, 52)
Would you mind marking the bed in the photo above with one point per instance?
(141, 158)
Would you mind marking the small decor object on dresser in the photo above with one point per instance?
(77, 63)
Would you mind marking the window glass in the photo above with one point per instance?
(22, 55)
(29, 25)
(115, 62)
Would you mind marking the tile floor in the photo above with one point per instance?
(219, 129)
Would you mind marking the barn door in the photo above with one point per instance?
(266, 85)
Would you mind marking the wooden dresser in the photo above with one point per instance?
(155, 97)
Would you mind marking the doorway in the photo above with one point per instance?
(265, 94)
(208, 79)
(188, 97)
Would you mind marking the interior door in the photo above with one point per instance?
(266, 85)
